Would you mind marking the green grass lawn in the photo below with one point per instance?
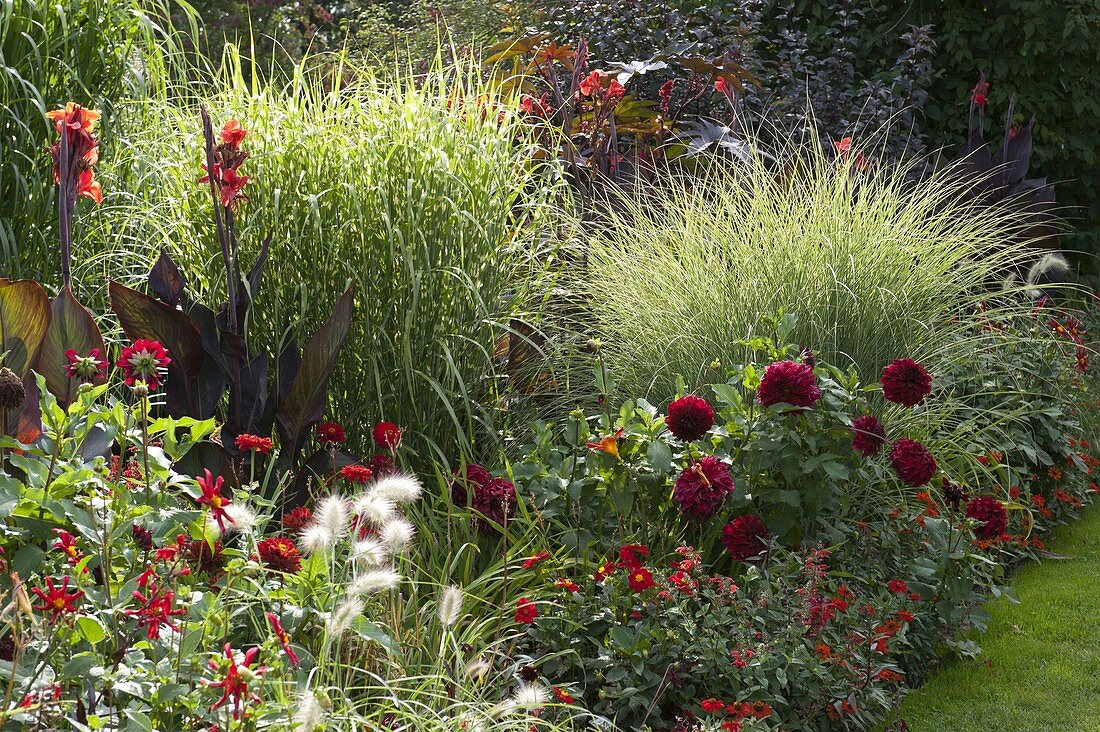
(1040, 666)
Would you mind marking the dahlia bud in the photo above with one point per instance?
(593, 345)
(141, 390)
(12, 391)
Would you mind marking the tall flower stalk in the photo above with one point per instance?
(74, 154)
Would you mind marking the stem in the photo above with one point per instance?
(65, 203)
(145, 443)
(223, 235)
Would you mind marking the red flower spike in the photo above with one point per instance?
(284, 639)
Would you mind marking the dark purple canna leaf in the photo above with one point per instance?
(71, 327)
(166, 280)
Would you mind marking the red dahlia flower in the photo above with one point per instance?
(562, 696)
(898, 587)
(702, 488)
(212, 497)
(746, 537)
(279, 554)
(238, 676)
(991, 515)
(913, 462)
(906, 382)
(787, 382)
(526, 611)
(493, 498)
(382, 465)
(297, 519)
(283, 637)
(66, 544)
(253, 442)
(143, 538)
(157, 610)
(689, 418)
(330, 433)
(356, 473)
(143, 360)
(387, 435)
(56, 599)
(629, 553)
(90, 369)
(200, 555)
(641, 579)
(868, 435)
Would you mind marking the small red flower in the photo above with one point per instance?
(330, 433)
(526, 611)
(641, 579)
(230, 185)
(143, 360)
(562, 696)
(980, 94)
(212, 498)
(234, 684)
(90, 369)
(906, 382)
(898, 587)
(868, 435)
(722, 86)
(541, 556)
(284, 639)
(356, 473)
(252, 442)
(713, 706)
(156, 610)
(66, 543)
(843, 146)
(590, 84)
(689, 418)
(233, 134)
(279, 554)
(297, 519)
(788, 382)
(568, 585)
(629, 553)
(56, 599)
(387, 435)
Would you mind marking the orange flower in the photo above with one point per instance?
(232, 133)
(609, 444)
(74, 117)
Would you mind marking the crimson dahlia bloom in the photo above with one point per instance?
(212, 498)
(912, 461)
(143, 360)
(991, 515)
(493, 498)
(689, 418)
(906, 382)
(787, 382)
(330, 433)
(90, 369)
(746, 537)
(157, 610)
(387, 435)
(297, 519)
(279, 554)
(868, 435)
(702, 488)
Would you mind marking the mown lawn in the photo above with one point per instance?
(1040, 666)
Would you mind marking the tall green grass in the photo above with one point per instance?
(874, 265)
(94, 52)
(412, 188)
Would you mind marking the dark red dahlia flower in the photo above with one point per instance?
(201, 557)
(145, 361)
(493, 498)
(297, 519)
(868, 435)
(279, 554)
(953, 493)
(906, 382)
(330, 433)
(787, 382)
(990, 513)
(689, 418)
(702, 488)
(912, 461)
(387, 435)
(746, 537)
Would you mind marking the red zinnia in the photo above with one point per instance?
(279, 554)
(990, 513)
(898, 587)
(641, 579)
(143, 360)
(746, 537)
(702, 488)
(297, 519)
(787, 382)
(912, 461)
(526, 611)
(235, 684)
(90, 369)
(906, 382)
(356, 473)
(212, 497)
(57, 600)
(868, 435)
(330, 433)
(284, 638)
(689, 418)
(253, 442)
(387, 435)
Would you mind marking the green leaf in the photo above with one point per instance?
(91, 629)
(372, 631)
(79, 665)
(660, 457)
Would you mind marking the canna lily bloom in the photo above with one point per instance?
(233, 134)
(980, 94)
(284, 639)
(590, 84)
(230, 185)
(88, 186)
(75, 118)
(238, 676)
(609, 444)
(57, 600)
(75, 124)
(212, 497)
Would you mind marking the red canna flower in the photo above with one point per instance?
(356, 473)
(255, 443)
(87, 186)
(238, 676)
(156, 611)
(590, 84)
(843, 146)
(57, 600)
(233, 134)
(66, 543)
(212, 497)
(330, 433)
(76, 124)
(980, 94)
(540, 557)
(723, 86)
(143, 360)
(90, 369)
(526, 611)
(641, 579)
(279, 554)
(230, 185)
(387, 435)
(284, 639)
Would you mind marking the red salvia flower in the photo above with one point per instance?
(56, 599)
(235, 683)
(212, 498)
(143, 360)
(255, 443)
(356, 473)
(90, 369)
(279, 554)
(330, 433)
(526, 611)
(284, 639)
(387, 435)
(156, 611)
